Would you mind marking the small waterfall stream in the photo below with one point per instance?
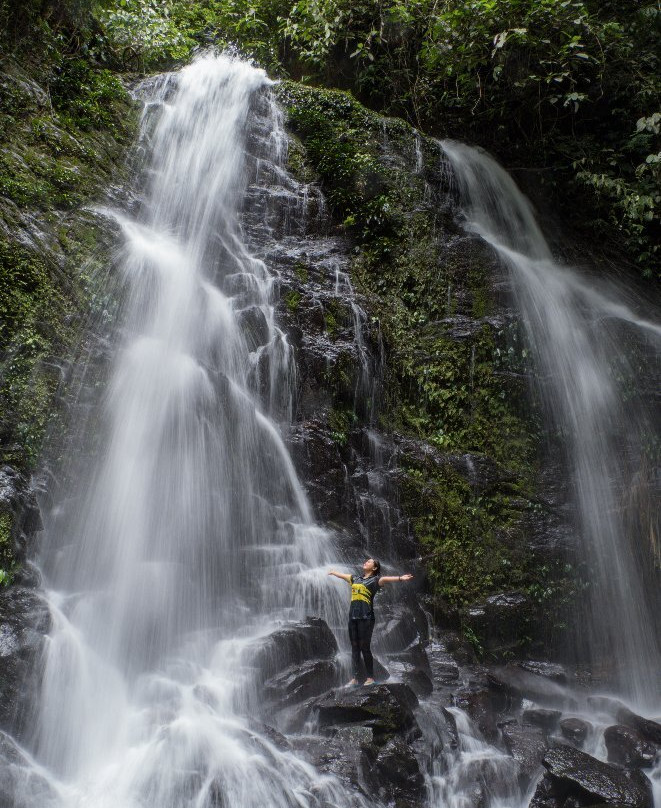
(191, 538)
(577, 333)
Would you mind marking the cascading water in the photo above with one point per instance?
(576, 333)
(193, 538)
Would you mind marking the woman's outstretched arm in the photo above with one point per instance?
(343, 575)
(390, 579)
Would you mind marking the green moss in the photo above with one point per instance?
(341, 421)
(458, 393)
(53, 160)
(292, 300)
(336, 316)
(301, 271)
(472, 543)
(89, 96)
(7, 562)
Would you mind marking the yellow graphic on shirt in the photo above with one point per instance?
(361, 592)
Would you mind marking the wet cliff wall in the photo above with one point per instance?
(416, 426)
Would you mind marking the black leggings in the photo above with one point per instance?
(360, 634)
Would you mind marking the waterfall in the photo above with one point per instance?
(189, 538)
(579, 334)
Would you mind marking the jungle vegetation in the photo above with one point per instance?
(565, 90)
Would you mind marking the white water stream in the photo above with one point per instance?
(577, 332)
(191, 538)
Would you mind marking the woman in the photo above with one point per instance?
(361, 613)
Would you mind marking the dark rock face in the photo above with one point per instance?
(24, 622)
(577, 779)
(387, 709)
(20, 785)
(19, 504)
(501, 620)
(628, 747)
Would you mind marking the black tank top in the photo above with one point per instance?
(363, 591)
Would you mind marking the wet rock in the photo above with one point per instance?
(20, 785)
(349, 756)
(628, 747)
(273, 736)
(546, 719)
(398, 772)
(418, 681)
(294, 644)
(398, 630)
(549, 670)
(254, 327)
(300, 682)
(574, 775)
(527, 746)
(481, 472)
(356, 736)
(24, 622)
(519, 684)
(453, 730)
(500, 621)
(483, 707)
(650, 730)
(387, 709)
(18, 502)
(317, 456)
(460, 649)
(605, 704)
(575, 730)
(446, 673)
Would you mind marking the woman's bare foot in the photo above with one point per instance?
(352, 683)
(369, 681)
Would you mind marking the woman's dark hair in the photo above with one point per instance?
(377, 566)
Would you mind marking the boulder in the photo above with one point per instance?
(650, 730)
(483, 706)
(628, 747)
(387, 709)
(398, 772)
(418, 681)
(300, 682)
(540, 717)
(348, 755)
(575, 775)
(518, 684)
(575, 730)
(527, 746)
(293, 644)
(397, 630)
